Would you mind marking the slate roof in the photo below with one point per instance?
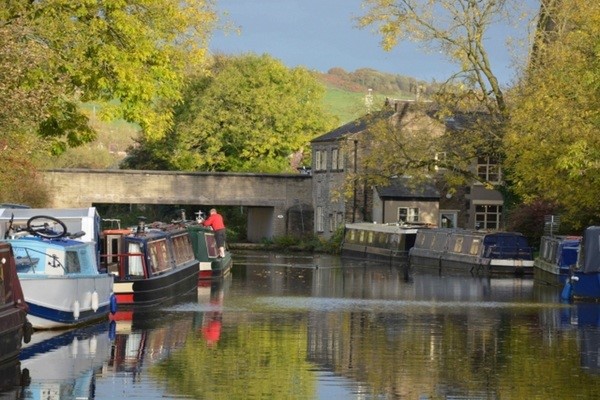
(352, 127)
(398, 189)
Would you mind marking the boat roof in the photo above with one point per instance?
(35, 241)
(387, 228)
(60, 213)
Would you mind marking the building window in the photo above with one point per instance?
(408, 214)
(487, 216)
(320, 221)
(488, 169)
(331, 223)
(324, 160)
(337, 160)
(318, 160)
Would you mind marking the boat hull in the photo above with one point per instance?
(158, 289)
(67, 301)
(12, 326)
(585, 286)
(550, 274)
(215, 267)
(473, 252)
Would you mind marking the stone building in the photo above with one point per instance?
(338, 198)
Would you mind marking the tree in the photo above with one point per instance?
(457, 29)
(127, 56)
(553, 145)
(251, 114)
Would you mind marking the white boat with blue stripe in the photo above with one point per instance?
(59, 275)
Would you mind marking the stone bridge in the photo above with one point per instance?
(278, 204)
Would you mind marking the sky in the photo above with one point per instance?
(322, 34)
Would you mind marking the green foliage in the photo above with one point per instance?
(127, 56)
(252, 114)
(553, 146)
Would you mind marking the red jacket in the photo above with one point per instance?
(214, 220)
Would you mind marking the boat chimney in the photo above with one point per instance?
(141, 225)
(182, 213)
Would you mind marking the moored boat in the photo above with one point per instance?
(151, 265)
(207, 253)
(472, 251)
(378, 242)
(557, 255)
(14, 325)
(584, 280)
(61, 282)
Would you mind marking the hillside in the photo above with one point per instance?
(344, 98)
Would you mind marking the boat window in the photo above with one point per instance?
(183, 249)
(72, 264)
(211, 245)
(361, 237)
(370, 238)
(135, 262)
(458, 242)
(159, 256)
(475, 246)
(351, 235)
(395, 241)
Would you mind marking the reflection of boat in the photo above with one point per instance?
(212, 318)
(60, 278)
(584, 283)
(381, 242)
(144, 339)
(472, 251)
(557, 255)
(64, 364)
(14, 326)
(151, 265)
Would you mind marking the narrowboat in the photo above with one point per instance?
(206, 252)
(61, 282)
(151, 264)
(472, 251)
(557, 255)
(378, 242)
(14, 325)
(584, 280)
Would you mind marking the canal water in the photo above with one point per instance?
(318, 327)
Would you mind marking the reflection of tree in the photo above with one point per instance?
(260, 360)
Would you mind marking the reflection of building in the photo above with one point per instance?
(337, 156)
(399, 339)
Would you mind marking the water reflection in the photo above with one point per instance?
(317, 327)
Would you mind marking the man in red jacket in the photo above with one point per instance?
(215, 220)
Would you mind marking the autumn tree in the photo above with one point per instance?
(126, 56)
(553, 142)
(458, 29)
(251, 114)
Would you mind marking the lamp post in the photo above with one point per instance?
(355, 179)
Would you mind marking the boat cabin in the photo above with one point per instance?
(34, 255)
(378, 241)
(153, 252)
